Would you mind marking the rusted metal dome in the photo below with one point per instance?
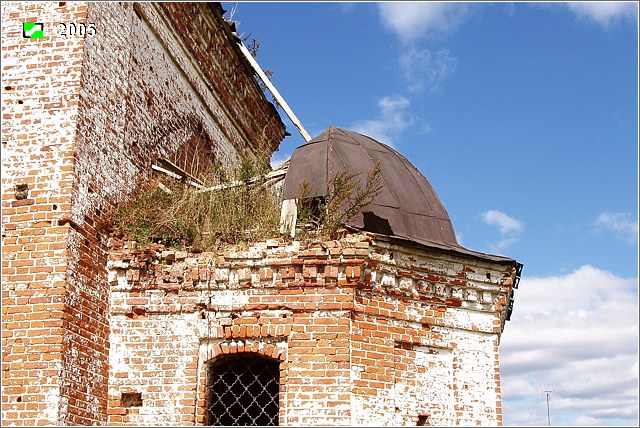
(407, 207)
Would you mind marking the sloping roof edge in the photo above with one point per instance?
(457, 250)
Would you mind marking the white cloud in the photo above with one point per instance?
(503, 221)
(503, 244)
(423, 70)
(621, 224)
(604, 13)
(412, 20)
(578, 335)
(510, 229)
(392, 119)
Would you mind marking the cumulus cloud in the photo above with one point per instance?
(503, 221)
(578, 335)
(621, 224)
(424, 70)
(413, 20)
(392, 119)
(510, 229)
(604, 13)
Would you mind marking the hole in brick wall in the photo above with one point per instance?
(21, 191)
(55, 207)
(8, 88)
(423, 421)
(19, 399)
(408, 346)
(62, 3)
(488, 275)
(131, 399)
(20, 102)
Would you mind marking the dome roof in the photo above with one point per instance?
(407, 207)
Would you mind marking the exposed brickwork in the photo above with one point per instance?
(367, 332)
(40, 107)
(83, 120)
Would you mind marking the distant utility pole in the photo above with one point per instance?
(548, 391)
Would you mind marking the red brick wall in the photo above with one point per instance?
(232, 82)
(366, 332)
(40, 97)
(84, 118)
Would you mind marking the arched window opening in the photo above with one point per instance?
(242, 390)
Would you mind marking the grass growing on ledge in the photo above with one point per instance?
(188, 218)
(182, 216)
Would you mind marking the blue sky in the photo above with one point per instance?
(524, 118)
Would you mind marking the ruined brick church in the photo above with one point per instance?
(394, 324)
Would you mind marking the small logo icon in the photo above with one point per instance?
(33, 30)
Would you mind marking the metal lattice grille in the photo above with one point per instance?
(243, 390)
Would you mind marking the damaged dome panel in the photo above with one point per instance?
(407, 207)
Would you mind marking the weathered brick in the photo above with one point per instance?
(388, 338)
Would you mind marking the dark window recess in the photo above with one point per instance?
(131, 399)
(423, 421)
(242, 390)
